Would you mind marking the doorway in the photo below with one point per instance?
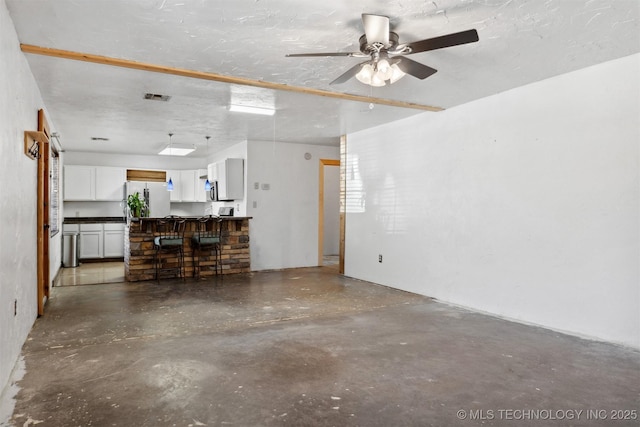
(329, 213)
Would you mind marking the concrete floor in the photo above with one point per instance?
(307, 347)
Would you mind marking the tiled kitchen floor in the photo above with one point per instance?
(91, 273)
(94, 273)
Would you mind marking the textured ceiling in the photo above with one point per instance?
(520, 42)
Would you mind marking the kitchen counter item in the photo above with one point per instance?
(70, 249)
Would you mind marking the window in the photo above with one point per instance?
(54, 196)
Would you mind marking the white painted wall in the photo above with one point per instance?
(284, 228)
(524, 204)
(331, 211)
(19, 104)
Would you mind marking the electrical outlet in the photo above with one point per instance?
(255, 204)
(256, 185)
(380, 258)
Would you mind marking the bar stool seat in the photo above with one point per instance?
(207, 238)
(170, 240)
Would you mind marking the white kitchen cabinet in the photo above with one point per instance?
(79, 182)
(91, 241)
(212, 171)
(113, 240)
(109, 183)
(176, 193)
(188, 185)
(201, 179)
(231, 179)
(93, 183)
(70, 228)
(100, 240)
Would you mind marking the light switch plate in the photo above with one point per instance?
(266, 186)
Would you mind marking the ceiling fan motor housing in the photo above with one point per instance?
(368, 49)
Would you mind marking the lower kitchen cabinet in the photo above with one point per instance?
(91, 241)
(113, 240)
(102, 240)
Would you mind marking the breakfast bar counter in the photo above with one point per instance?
(139, 251)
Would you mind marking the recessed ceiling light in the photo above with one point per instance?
(252, 110)
(156, 97)
(177, 150)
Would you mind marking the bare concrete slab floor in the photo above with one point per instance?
(306, 347)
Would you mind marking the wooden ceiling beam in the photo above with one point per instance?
(125, 63)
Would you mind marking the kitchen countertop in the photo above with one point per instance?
(119, 219)
(94, 219)
(194, 218)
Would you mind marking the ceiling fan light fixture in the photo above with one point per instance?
(396, 74)
(379, 73)
(365, 74)
(377, 80)
(384, 70)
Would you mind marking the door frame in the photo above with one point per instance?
(322, 164)
(43, 195)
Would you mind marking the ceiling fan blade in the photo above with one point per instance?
(348, 74)
(453, 39)
(292, 55)
(376, 28)
(414, 68)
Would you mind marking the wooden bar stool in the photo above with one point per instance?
(207, 238)
(169, 241)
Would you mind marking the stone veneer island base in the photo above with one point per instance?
(139, 252)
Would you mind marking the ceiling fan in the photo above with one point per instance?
(387, 57)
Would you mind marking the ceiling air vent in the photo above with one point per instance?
(156, 97)
(97, 138)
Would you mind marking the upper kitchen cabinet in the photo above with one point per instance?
(230, 176)
(93, 183)
(176, 193)
(187, 185)
(201, 179)
(109, 182)
(79, 183)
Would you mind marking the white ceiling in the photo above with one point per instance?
(520, 42)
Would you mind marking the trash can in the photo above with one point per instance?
(70, 249)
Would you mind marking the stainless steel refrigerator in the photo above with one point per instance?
(155, 195)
